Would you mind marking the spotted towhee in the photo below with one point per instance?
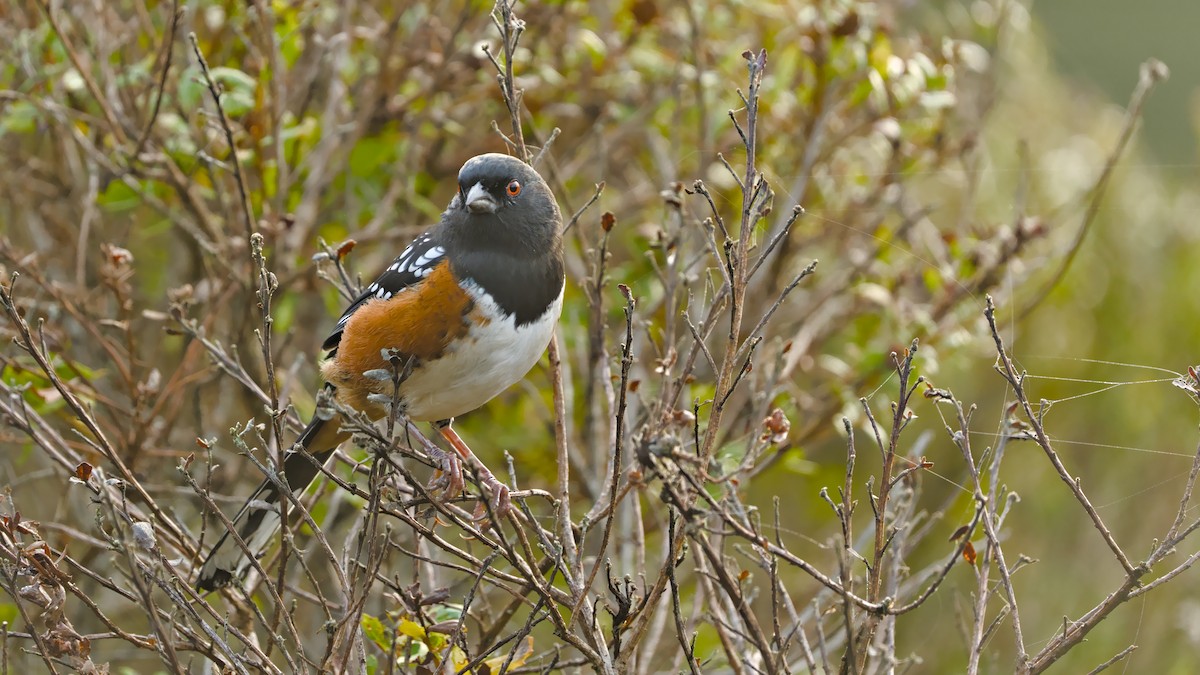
(469, 307)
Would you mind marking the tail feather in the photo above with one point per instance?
(258, 519)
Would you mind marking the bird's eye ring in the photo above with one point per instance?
(514, 188)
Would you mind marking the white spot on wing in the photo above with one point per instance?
(429, 256)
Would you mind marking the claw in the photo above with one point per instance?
(449, 479)
(500, 500)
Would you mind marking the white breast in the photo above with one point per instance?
(492, 357)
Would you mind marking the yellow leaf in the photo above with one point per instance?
(523, 652)
(880, 53)
(412, 629)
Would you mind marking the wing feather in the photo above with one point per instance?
(408, 269)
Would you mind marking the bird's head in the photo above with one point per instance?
(504, 199)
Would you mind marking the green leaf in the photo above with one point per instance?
(20, 118)
(237, 103)
(448, 612)
(307, 128)
(237, 89)
(191, 88)
(118, 197)
(376, 632)
(232, 79)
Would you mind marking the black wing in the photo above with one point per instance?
(410, 267)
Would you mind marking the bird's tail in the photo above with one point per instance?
(258, 519)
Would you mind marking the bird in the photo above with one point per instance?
(468, 307)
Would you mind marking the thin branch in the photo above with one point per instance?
(1017, 381)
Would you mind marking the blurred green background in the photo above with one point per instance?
(1099, 44)
(1129, 299)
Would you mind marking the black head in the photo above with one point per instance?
(503, 230)
(502, 200)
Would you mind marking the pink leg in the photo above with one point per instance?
(501, 503)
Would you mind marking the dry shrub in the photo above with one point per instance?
(182, 188)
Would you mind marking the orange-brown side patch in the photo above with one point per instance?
(419, 322)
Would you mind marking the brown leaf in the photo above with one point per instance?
(958, 534)
(969, 553)
(444, 627)
(83, 471)
(644, 11)
(776, 427)
(848, 26)
(607, 221)
(345, 248)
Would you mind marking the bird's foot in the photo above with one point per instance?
(500, 501)
(448, 482)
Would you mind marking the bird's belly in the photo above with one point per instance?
(494, 355)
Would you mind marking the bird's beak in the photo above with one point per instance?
(480, 201)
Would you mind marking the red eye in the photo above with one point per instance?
(514, 188)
